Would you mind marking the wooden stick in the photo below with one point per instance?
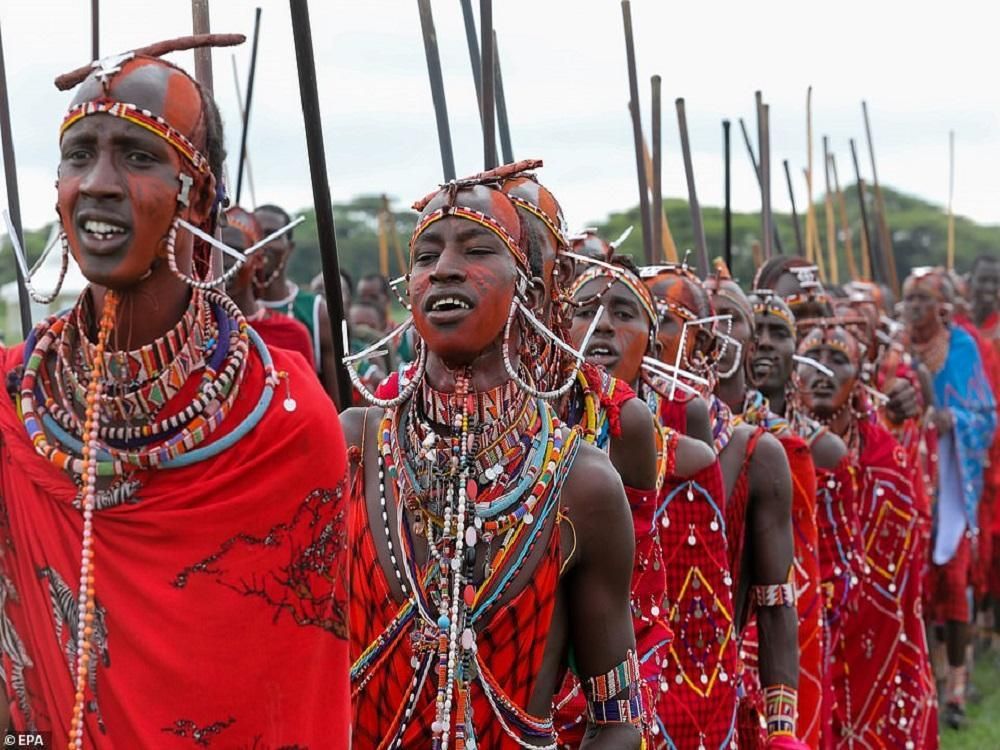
(489, 84)
(756, 171)
(951, 196)
(95, 30)
(239, 102)
(873, 260)
(810, 210)
(202, 55)
(845, 224)
(322, 202)
(812, 236)
(13, 196)
(437, 89)
(503, 124)
(645, 220)
(473, 43)
(657, 212)
(475, 60)
(765, 175)
(800, 248)
(888, 254)
(727, 212)
(831, 228)
(383, 244)
(696, 222)
(669, 248)
(246, 108)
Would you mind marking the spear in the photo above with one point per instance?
(13, 197)
(885, 236)
(95, 29)
(727, 214)
(831, 229)
(488, 102)
(325, 228)
(845, 225)
(866, 237)
(437, 88)
(239, 102)
(810, 211)
(657, 212)
(246, 108)
(640, 162)
(756, 171)
(763, 139)
(951, 196)
(795, 214)
(696, 223)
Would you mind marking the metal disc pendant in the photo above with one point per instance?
(290, 404)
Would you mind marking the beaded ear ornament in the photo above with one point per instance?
(26, 273)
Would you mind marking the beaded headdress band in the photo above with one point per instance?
(766, 302)
(480, 218)
(822, 331)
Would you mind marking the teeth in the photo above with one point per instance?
(102, 228)
(451, 302)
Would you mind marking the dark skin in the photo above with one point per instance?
(240, 286)
(769, 543)
(984, 289)
(621, 339)
(922, 315)
(592, 601)
(771, 367)
(275, 255)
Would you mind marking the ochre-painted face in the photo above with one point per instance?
(742, 332)
(680, 291)
(462, 282)
(275, 253)
(771, 363)
(621, 338)
(119, 182)
(822, 394)
(921, 305)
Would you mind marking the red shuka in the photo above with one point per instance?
(221, 587)
(285, 332)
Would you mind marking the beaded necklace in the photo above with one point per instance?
(934, 351)
(722, 423)
(433, 463)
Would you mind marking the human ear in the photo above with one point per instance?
(535, 293)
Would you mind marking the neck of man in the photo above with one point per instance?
(840, 423)
(733, 391)
(244, 299)
(277, 289)
(775, 398)
(146, 311)
(486, 368)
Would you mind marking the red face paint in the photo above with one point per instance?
(835, 348)
(621, 338)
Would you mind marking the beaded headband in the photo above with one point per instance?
(649, 274)
(821, 334)
(561, 241)
(478, 217)
(766, 302)
(638, 289)
(144, 119)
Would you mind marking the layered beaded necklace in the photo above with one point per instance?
(73, 392)
(470, 468)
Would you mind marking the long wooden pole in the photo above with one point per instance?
(810, 210)
(796, 224)
(13, 196)
(756, 172)
(885, 236)
(473, 43)
(668, 248)
(437, 88)
(489, 83)
(727, 212)
(696, 222)
(95, 29)
(246, 106)
(765, 175)
(657, 212)
(951, 198)
(831, 227)
(503, 123)
(845, 224)
(866, 236)
(322, 202)
(645, 220)
(475, 60)
(201, 23)
(249, 163)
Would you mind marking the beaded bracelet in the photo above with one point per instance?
(780, 710)
(627, 711)
(774, 595)
(621, 677)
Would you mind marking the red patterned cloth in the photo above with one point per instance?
(881, 671)
(511, 644)
(221, 587)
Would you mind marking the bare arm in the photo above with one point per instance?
(827, 451)
(599, 583)
(699, 423)
(772, 550)
(633, 454)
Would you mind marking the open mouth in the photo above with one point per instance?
(101, 236)
(447, 304)
(443, 309)
(762, 367)
(601, 354)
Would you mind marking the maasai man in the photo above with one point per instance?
(757, 502)
(750, 406)
(623, 337)
(241, 231)
(885, 692)
(964, 415)
(278, 293)
(482, 526)
(984, 300)
(158, 530)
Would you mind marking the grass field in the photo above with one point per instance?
(983, 731)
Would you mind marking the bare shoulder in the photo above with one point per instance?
(357, 420)
(828, 450)
(769, 454)
(699, 423)
(693, 456)
(770, 472)
(594, 498)
(636, 421)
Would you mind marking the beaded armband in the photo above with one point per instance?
(780, 710)
(774, 595)
(603, 707)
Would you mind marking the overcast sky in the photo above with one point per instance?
(924, 68)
